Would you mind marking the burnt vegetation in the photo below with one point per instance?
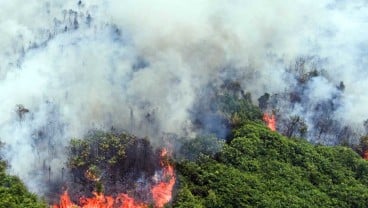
(300, 113)
(110, 163)
(218, 110)
(235, 161)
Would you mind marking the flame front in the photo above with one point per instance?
(270, 120)
(65, 201)
(100, 201)
(161, 193)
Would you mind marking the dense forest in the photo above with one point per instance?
(169, 103)
(252, 166)
(257, 167)
(260, 168)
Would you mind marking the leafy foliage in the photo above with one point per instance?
(261, 168)
(199, 146)
(237, 108)
(256, 167)
(106, 162)
(14, 194)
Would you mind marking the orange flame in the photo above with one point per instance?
(161, 193)
(100, 201)
(270, 120)
(65, 201)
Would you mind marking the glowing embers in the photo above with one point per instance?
(270, 120)
(161, 192)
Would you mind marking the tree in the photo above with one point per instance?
(295, 127)
(261, 168)
(14, 194)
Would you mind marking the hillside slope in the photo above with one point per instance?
(261, 168)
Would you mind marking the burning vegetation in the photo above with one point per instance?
(302, 111)
(121, 170)
(270, 121)
(116, 171)
(77, 66)
(253, 166)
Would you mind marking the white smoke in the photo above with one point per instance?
(82, 65)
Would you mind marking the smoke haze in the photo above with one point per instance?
(139, 66)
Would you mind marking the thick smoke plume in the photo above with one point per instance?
(68, 67)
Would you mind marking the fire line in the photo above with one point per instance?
(161, 193)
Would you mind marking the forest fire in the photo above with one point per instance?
(161, 193)
(99, 201)
(270, 120)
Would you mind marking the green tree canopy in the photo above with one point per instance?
(261, 168)
(13, 193)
